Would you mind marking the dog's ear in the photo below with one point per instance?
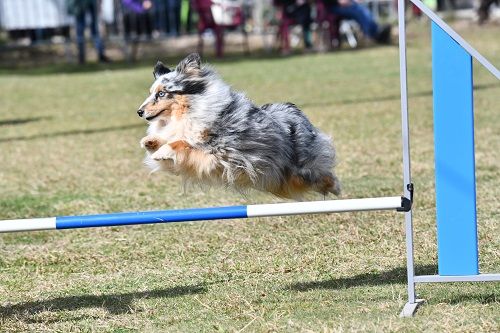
(160, 69)
(190, 65)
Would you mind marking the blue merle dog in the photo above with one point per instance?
(204, 131)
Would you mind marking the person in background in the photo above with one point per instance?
(353, 10)
(168, 13)
(443, 5)
(80, 9)
(174, 12)
(299, 12)
(484, 10)
(137, 17)
(161, 18)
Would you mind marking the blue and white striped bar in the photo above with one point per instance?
(201, 214)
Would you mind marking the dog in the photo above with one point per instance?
(207, 133)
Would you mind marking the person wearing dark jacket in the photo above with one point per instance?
(168, 16)
(137, 18)
(80, 9)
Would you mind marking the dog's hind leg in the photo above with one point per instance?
(329, 184)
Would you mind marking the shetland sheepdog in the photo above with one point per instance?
(207, 133)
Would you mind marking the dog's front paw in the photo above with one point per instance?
(151, 143)
(164, 153)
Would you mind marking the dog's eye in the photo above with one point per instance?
(161, 94)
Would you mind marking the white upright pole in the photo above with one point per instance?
(412, 304)
(405, 130)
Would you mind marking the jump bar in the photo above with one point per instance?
(201, 214)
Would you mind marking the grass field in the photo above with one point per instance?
(69, 145)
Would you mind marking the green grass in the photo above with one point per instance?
(69, 145)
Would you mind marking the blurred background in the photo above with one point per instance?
(48, 31)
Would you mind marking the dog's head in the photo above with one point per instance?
(172, 86)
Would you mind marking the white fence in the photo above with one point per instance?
(44, 14)
(33, 14)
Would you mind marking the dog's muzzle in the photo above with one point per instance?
(140, 112)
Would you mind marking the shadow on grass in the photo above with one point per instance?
(396, 275)
(113, 303)
(475, 298)
(145, 62)
(69, 133)
(148, 60)
(390, 97)
(21, 121)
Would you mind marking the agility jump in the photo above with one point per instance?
(455, 205)
(455, 179)
(204, 214)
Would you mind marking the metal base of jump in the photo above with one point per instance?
(203, 214)
(410, 308)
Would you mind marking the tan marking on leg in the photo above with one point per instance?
(327, 185)
(297, 183)
(180, 145)
(293, 188)
(204, 164)
(194, 163)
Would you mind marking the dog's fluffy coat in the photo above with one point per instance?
(206, 132)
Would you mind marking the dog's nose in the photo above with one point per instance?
(140, 112)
